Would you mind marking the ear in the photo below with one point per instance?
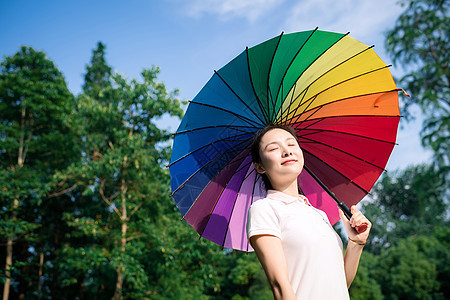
(259, 168)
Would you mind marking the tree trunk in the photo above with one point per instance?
(41, 263)
(119, 284)
(10, 240)
(7, 268)
(9, 254)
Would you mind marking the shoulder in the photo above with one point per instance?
(264, 209)
(262, 205)
(263, 219)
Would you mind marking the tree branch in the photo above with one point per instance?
(63, 191)
(134, 210)
(102, 184)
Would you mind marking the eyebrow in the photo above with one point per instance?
(289, 138)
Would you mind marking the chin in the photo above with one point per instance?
(291, 175)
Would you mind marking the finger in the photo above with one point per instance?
(343, 217)
(358, 220)
(357, 217)
(345, 220)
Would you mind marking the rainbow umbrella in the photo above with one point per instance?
(334, 90)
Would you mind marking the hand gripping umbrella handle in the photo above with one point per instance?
(359, 229)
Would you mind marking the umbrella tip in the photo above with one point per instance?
(405, 93)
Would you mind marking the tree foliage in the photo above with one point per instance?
(406, 203)
(98, 73)
(37, 137)
(408, 242)
(414, 268)
(419, 42)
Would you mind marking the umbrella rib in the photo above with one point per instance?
(228, 139)
(207, 186)
(337, 100)
(306, 108)
(247, 120)
(243, 102)
(301, 122)
(344, 61)
(289, 106)
(210, 214)
(244, 166)
(209, 162)
(345, 152)
(213, 126)
(303, 72)
(295, 56)
(348, 133)
(269, 94)
(215, 203)
(357, 185)
(266, 117)
(312, 98)
(232, 209)
(253, 194)
(351, 134)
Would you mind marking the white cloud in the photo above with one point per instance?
(228, 9)
(364, 19)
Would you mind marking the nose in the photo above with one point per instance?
(287, 153)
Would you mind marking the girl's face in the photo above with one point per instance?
(281, 156)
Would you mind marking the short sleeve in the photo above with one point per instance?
(262, 220)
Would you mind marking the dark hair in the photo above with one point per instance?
(254, 148)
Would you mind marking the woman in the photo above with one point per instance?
(296, 245)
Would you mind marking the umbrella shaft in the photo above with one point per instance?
(341, 204)
(359, 229)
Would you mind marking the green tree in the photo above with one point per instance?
(98, 75)
(121, 179)
(248, 279)
(365, 286)
(419, 42)
(415, 268)
(36, 139)
(406, 203)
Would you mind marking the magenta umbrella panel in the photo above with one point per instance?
(334, 91)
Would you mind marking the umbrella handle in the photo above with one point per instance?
(342, 205)
(359, 229)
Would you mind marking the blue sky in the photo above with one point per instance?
(189, 39)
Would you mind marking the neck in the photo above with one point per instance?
(290, 189)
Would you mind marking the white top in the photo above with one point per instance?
(313, 249)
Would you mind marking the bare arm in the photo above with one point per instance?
(356, 242)
(351, 261)
(270, 253)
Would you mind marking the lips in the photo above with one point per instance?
(288, 161)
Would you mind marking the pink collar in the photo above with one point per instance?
(285, 198)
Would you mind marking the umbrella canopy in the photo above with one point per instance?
(334, 90)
